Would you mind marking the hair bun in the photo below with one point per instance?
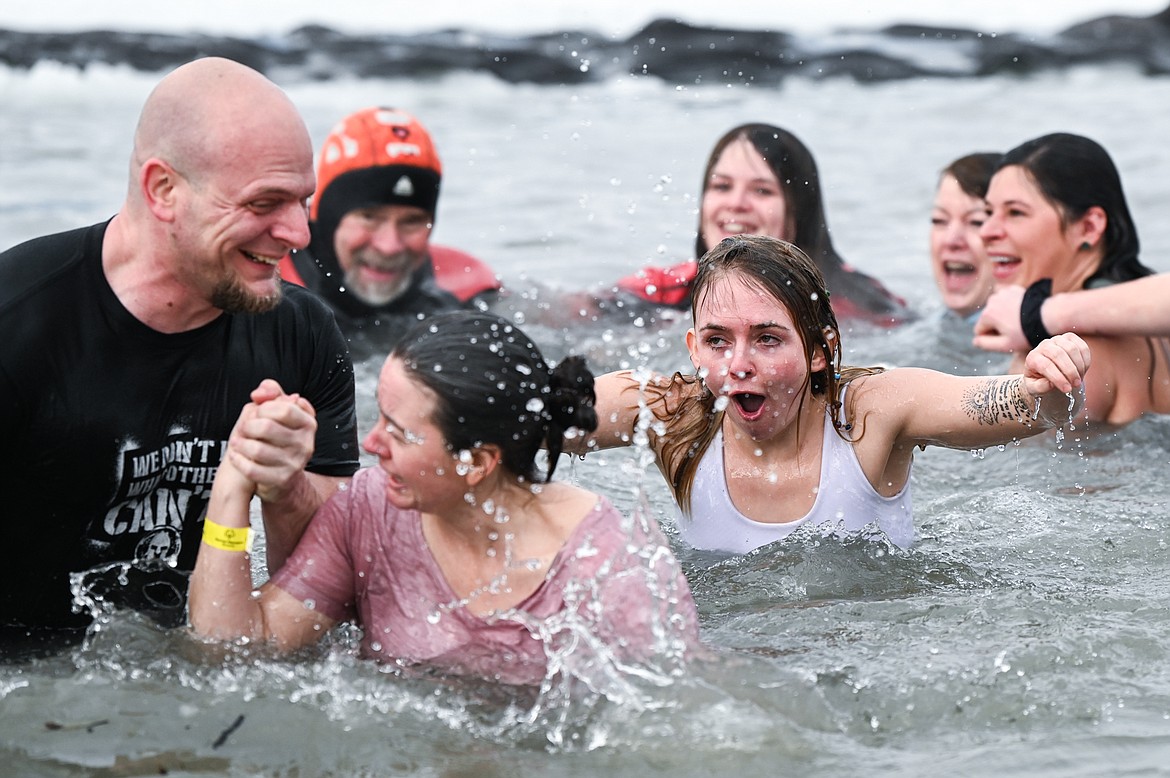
(572, 396)
(570, 404)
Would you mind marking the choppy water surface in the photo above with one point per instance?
(1025, 633)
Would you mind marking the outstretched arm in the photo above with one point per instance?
(925, 407)
(1132, 308)
(619, 395)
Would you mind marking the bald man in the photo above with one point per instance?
(138, 352)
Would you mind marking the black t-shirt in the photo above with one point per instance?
(111, 432)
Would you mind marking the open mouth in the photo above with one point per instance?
(749, 404)
(260, 259)
(1003, 266)
(956, 268)
(394, 484)
(958, 276)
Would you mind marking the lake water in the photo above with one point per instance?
(1026, 633)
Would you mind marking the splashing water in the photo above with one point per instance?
(832, 659)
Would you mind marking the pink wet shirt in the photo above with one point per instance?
(363, 560)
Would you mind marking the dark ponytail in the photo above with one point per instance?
(570, 405)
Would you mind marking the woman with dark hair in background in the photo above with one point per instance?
(760, 179)
(1057, 222)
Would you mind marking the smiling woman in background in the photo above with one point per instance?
(1058, 221)
(761, 180)
(958, 257)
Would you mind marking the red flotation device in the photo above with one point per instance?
(662, 285)
(462, 274)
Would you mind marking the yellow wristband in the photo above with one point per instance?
(227, 538)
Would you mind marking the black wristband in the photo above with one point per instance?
(1031, 321)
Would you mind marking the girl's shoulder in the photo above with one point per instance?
(565, 497)
(566, 505)
(865, 384)
(884, 379)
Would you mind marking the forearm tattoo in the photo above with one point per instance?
(996, 401)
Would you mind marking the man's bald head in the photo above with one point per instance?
(220, 178)
(206, 115)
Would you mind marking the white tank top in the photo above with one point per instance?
(846, 505)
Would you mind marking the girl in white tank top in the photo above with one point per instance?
(763, 439)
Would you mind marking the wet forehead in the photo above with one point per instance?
(401, 398)
(282, 170)
(733, 302)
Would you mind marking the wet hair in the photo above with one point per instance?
(786, 274)
(493, 387)
(1075, 173)
(973, 172)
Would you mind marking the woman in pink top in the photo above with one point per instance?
(454, 552)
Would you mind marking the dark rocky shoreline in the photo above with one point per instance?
(673, 51)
